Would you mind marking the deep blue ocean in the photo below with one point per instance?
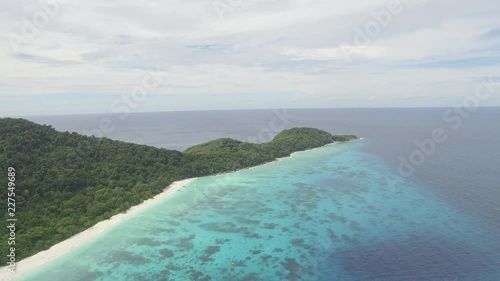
(418, 198)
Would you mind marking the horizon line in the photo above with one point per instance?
(242, 109)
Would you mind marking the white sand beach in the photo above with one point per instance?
(32, 263)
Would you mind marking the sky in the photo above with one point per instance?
(94, 56)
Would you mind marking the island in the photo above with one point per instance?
(66, 182)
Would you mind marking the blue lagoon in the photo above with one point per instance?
(323, 214)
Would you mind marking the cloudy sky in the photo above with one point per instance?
(94, 56)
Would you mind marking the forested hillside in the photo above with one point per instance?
(66, 182)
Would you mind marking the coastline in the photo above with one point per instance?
(297, 152)
(32, 263)
(285, 157)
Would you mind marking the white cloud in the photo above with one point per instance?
(286, 51)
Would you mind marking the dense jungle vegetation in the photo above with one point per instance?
(66, 182)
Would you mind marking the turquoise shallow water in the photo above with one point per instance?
(324, 214)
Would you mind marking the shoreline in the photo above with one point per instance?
(282, 158)
(38, 260)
